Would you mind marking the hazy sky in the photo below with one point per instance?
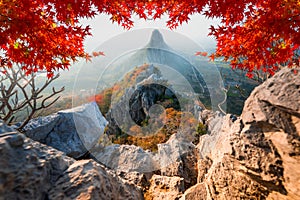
(115, 41)
(103, 29)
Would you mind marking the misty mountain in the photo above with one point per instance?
(185, 71)
(172, 63)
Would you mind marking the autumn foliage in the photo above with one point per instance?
(260, 35)
(40, 35)
(103, 99)
(174, 122)
(45, 35)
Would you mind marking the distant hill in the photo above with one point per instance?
(172, 63)
(184, 71)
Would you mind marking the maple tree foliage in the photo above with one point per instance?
(41, 35)
(260, 36)
(46, 34)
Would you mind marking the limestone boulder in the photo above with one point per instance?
(164, 187)
(257, 155)
(73, 131)
(31, 170)
(87, 179)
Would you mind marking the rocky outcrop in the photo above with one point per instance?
(73, 131)
(164, 187)
(144, 89)
(88, 180)
(126, 158)
(276, 103)
(157, 41)
(196, 192)
(274, 108)
(28, 169)
(136, 178)
(257, 155)
(31, 170)
(178, 157)
(146, 96)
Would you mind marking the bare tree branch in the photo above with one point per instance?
(19, 92)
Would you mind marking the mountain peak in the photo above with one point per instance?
(157, 40)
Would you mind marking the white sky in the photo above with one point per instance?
(114, 40)
(103, 29)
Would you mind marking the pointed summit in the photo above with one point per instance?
(157, 41)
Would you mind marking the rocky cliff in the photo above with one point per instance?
(255, 156)
(144, 87)
(31, 170)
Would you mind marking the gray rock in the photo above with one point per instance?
(275, 101)
(134, 107)
(86, 179)
(215, 123)
(126, 158)
(136, 178)
(178, 157)
(16, 140)
(155, 78)
(28, 169)
(72, 131)
(197, 110)
(31, 170)
(5, 128)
